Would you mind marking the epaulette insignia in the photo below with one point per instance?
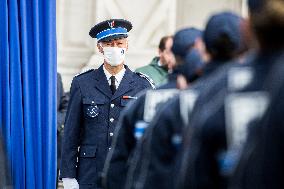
(83, 72)
(147, 78)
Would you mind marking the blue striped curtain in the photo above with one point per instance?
(28, 90)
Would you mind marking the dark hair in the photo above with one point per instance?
(223, 49)
(163, 41)
(268, 24)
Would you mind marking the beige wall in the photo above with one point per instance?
(151, 19)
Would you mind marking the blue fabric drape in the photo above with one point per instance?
(28, 90)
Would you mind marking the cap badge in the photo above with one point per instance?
(111, 24)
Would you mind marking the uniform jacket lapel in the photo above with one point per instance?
(101, 82)
(126, 84)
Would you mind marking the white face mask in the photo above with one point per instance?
(114, 55)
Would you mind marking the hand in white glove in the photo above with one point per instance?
(70, 183)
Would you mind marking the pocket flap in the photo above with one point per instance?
(88, 151)
(93, 101)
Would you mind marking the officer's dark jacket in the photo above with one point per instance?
(159, 146)
(119, 159)
(117, 162)
(147, 171)
(261, 165)
(205, 140)
(91, 118)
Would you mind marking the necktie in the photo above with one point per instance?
(112, 84)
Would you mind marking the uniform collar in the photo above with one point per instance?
(118, 76)
(127, 83)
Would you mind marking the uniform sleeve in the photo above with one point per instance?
(116, 165)
(146, 81)
(72, 132)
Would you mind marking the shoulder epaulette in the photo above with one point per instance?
(84, 72)
(147, 78)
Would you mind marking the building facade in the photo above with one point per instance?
(151, 20)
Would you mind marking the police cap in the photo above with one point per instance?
(192, 65)
(184, 39)
(225, 23)
(111, 29)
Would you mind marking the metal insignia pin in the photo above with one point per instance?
(111, 24)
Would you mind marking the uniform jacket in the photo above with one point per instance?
(157, 150)
(208, 163)
(157, 73)
(118, 160)
(261, 164)
(117, 163)
(91, 118)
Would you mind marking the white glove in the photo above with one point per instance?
(70, 183)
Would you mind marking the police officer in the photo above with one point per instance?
(136, 117)
(261, 164)
(163, 138)
(96, 100)
(231, 106)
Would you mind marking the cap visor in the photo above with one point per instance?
(114, 37)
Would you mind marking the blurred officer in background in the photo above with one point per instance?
(163, 137)
(233, 104)
(136, 117)
(187, 57)
(188, 48)
(261, 164)
(62, 104)
(96, 100)
(160, 66)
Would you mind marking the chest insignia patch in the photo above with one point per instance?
(93, 111)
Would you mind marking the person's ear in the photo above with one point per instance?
(99, 45)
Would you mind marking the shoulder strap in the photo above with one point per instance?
(147, 78)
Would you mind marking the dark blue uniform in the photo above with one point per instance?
(261, 164)
(158, 149)
(162, 141)
(116, 165)
(142, 172)
(135, 119)
(131, 127)
(219, 125)
(91, 118)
